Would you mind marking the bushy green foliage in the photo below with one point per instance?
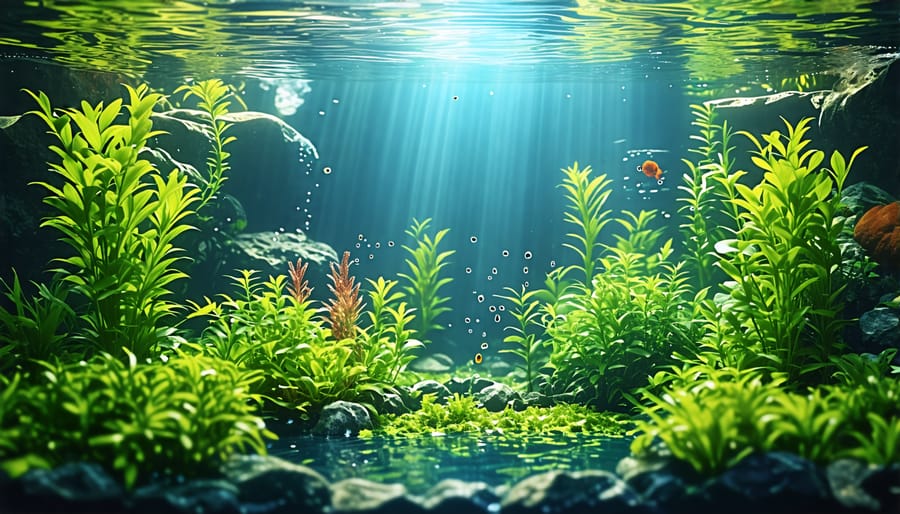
(587, 196)
(389, 338)
(714, 418)
(37, 328)
(119, 215)
(462, 414)
(424, 280)
(781, 307)
(265, 329)
(175, 418)
(610, 334)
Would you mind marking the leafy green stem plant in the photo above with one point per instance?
(525, 340)
(426, 263)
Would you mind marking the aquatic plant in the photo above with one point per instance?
(608, 336)
(213, 99)
(179, 418)
(525, 336)
(706, 186)
(389, 339)
(424, 280)
(345, 305)
(37, 328)
(463, 414)
(586, 196)
(299, 288)
(782, 303)
(713, 418)
(120, 216)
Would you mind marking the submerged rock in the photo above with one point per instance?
(199, 496)
(845, 477)
(468, 385)
(451, 496)
(81, 486)
(342, 418)
(432, 387)
(359, 495)
(581, 491)
(496, 397)
(268, 484)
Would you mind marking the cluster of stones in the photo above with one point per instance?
(772, 483)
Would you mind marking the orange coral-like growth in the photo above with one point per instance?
(344, 309)
(878, 231)
(299, 289)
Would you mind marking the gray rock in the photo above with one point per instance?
(83, 486)
(275, 249)
(469, 385)
(342, 418)
(197, 496)
(359, 495)
(496, 397)
(436, 363)
(862, 196)
(432, 387)
(771, 482)
(879, 322)
(581, 491)
(536, 399)
(268, 484)
(452, 496)
(845, 477)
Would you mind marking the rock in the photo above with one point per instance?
(469, 385)
(496, 397)
(581, 491)
(536, 399)
(80, 486)
(879, 327)
(845, 477)
(436, 363)
(862, 196)
(359, 495)
(268, 484)
(878, 231)
(342, 418)
(661, 480)
(198, 496)
(452, 496)
(276, 249)
(883, 484)
(433, 387)
(771, 482)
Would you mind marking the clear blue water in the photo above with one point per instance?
(420, 463)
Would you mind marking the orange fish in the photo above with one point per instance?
(651, 169)
(478, 358)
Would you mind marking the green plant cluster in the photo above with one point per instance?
(621, 323)
(713, 418)
(463, 414)
(176, 418)
(424, 281)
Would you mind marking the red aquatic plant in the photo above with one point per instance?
(344, 309)
(299, 289)
(878, 231)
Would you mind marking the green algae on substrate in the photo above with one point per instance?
(462, 414)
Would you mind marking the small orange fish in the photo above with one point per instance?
(478, 358)
(651, 169)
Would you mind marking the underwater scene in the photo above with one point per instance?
(534, 256)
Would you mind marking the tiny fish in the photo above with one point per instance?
(651, 169)
(478, 358)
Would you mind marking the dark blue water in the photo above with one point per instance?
(421, 462)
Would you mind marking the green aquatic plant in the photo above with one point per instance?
(706, 187)
(587, 196)
(607, 337)
(463, 414)
(713, 418)
(426, 263)
(781, 306)
(213, 98)
(37, 328)
(389, 338)
(182, 417)
(120, 216)
(525, 336)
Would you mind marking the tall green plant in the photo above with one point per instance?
(706, 188)
(586, 196)
(783, 305)
(120, 217)
(424, 280)
(213, 99)
(525, 335)
(390, 344)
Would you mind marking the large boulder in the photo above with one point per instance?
(343, 419)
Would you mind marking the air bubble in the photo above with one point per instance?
(480, 298)
(469, 331)
(358, 245)
(468, 320)
(326, 170)
(490, 277)
(525, 270)
(501, 308)
(496, 318)
(552, 264)
(360, 237)
(505, 253)
(473, 239)
(492, 308)
(468, 271)
(493, 271)
(484, 345)
(371, 256)
(391, 244)
(528, 255)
